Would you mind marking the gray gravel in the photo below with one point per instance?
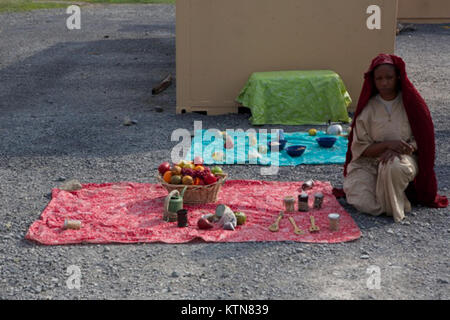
(63, 98)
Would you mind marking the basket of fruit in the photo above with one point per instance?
(203, 183)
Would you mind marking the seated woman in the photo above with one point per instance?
(391, 149)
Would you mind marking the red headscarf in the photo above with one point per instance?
(423, 189)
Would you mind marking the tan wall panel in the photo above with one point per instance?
(220, 43)
(424, 11)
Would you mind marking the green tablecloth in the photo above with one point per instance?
(296, 97)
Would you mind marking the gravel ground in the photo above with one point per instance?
(63, 97)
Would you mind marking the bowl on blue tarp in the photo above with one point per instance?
(326, 142)
(273, 144)
(295, 151)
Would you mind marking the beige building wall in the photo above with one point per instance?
(424, 11)
(220, 43)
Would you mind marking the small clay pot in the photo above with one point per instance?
(182, 218)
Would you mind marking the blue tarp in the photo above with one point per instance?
(205, 143)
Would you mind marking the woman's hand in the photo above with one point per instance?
(400, 147)
(388, 156)
(377, 149)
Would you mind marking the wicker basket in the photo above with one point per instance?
(196, 194)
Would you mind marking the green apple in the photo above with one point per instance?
(240, 217)
(216, 170)
(189, 166)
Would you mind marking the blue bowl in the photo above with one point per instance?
(326, 142)
(295, 151)
(281, 144)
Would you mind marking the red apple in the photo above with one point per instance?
(210, 178)
(163, 167)
(228, 143)
(204, 224)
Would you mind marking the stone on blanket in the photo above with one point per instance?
(222, 209)
(228, 220)
(228, 226)
(210, 217)
(71, 185)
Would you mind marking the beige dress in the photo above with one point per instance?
(373, 187)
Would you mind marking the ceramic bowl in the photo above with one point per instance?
(326, 142)
(295, 151)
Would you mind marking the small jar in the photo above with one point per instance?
(333, 219)
(289, 204)
(318, 200)
(72, 224)
(303, 202)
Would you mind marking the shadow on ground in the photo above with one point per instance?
(72, 98)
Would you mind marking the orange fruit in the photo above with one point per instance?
(199, 168)
(167, 176)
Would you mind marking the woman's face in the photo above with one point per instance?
(385, 79)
